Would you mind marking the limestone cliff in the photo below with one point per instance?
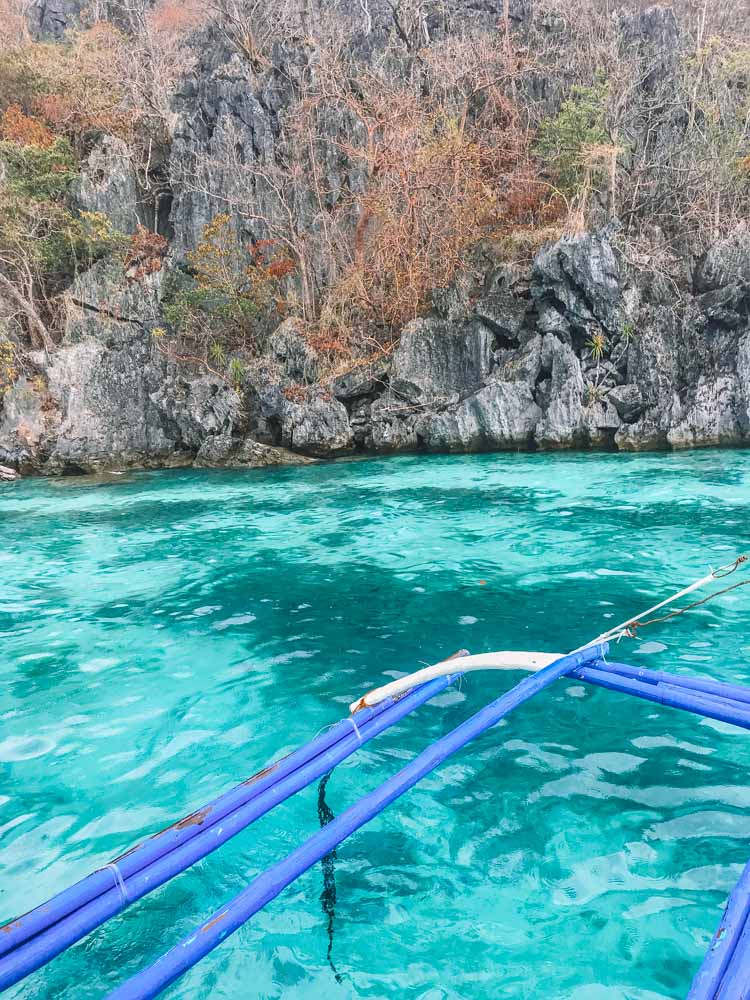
(580, 347)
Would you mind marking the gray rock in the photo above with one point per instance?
(289, 347)
(8, 475)
(727, 263)
(107, 411)
(562, 425)
(198, 407)
(108, 184)
(628, 401)
(50, 19)
(577, 286)
(715, 415)
(502, 415)
(502, 311)
(365, 381)
(523, 365)
(654, 366)
(103, 305)
(23, 423)
(722, 281)
(318, 427)
(651, 39)
(222, 450)
(439, 359)
(393, 425)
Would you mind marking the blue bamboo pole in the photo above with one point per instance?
(736, 713)
(152, 980)
(736, 982)
(720, 689)
(709, 976)
(138, 857)
(35, 952)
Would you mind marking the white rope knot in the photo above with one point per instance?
(354, 726)
(119, 882)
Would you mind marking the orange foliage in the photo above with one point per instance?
(527, 200)
(439, 183)
(17, 127)
(85, 84)
(173, 17)
(270, 265)
(295, 393)
(326, 343)
(145, 254)
(447, 164)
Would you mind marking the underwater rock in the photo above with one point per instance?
(221, 451)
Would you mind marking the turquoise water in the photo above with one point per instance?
(164, 635)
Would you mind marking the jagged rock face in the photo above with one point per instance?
(23, 424)
(435, 362)
(52, 18)
(652, 37)
(106, 406)
(111, 397)
(108, 184)
(722, 282)
(289, 348)
(101, 302)
(318, 427)
(576, 284)
(501, 415)
(579, 350)
(224, 451)
(511, 368)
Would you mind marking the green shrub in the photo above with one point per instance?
(38, 231)
(227, 290)
(580, 125)
(36, 173)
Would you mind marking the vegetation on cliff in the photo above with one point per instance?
(405, 142)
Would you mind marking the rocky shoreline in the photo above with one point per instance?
(589, 341)
(508, 362)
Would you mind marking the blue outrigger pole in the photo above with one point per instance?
(32, 940)
(725, 972)
(267, 886)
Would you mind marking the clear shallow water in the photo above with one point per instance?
(163, 636)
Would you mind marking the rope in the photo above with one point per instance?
(328, 864)
(689, 607)
(119, 883)
(354, 724)
(515, 660)
(627, 628)
(719, 574)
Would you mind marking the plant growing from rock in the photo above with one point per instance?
(596, 346)
(9, 364)
(237, 371)
(566, 141)
(229, 287)
(42, 243)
